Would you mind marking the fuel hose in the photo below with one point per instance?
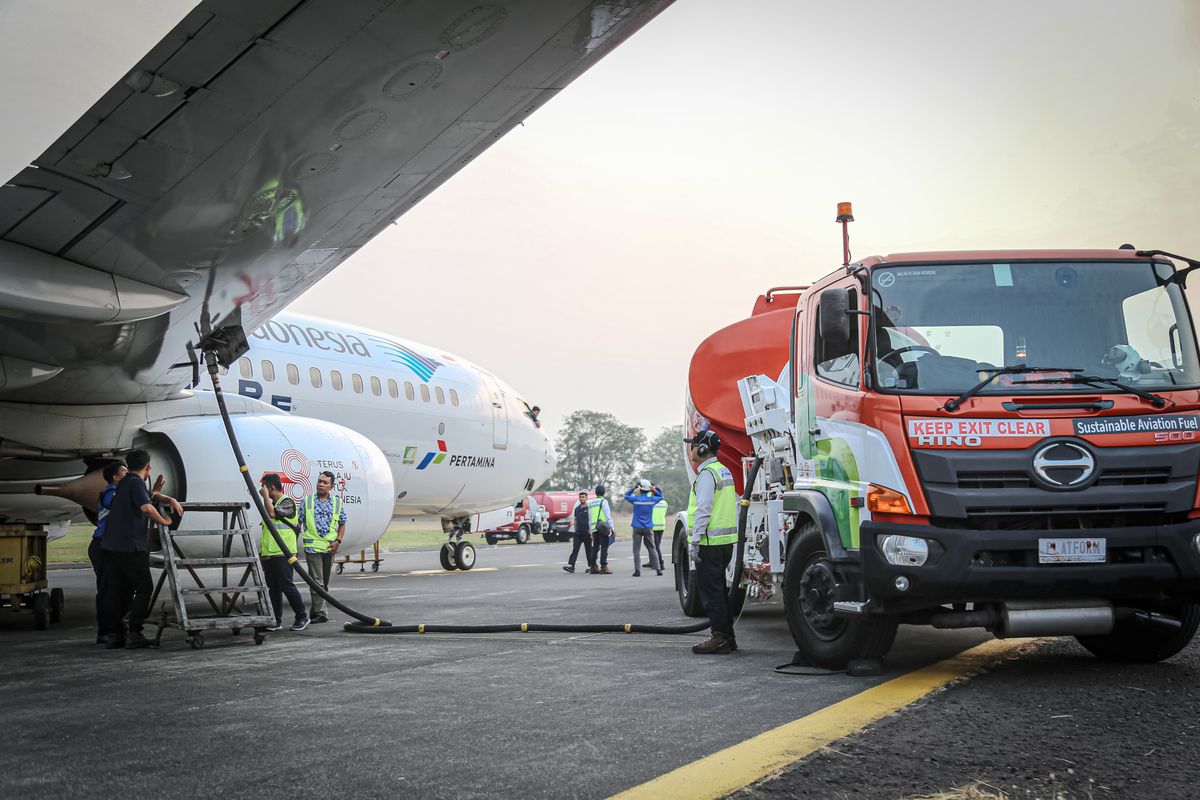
(210, 359)
(368, 624)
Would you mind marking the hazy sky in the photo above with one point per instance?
(585, 255)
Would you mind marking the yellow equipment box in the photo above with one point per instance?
(23, 574)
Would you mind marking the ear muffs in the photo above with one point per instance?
(702, 450)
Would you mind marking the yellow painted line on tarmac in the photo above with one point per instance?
(742, 764)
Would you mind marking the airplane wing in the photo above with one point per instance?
(251, 151)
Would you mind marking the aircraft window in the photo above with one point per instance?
(376, 388)
(293, 374)
(268, 370)
(314, 375)
(408, 391)
(245, 368)
(453, 397)
(424, 393)
(335, 379)
(356, 379)
(393, 389)
(441, 396)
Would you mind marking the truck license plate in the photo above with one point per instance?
(1072, 551)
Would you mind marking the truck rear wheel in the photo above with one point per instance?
(823, 638)
(685, 577)
(490, 538)
(1132, 643)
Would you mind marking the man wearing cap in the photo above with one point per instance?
(601, 521)
(643, 496)
(712, 533)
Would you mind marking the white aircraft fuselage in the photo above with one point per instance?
(458, 440)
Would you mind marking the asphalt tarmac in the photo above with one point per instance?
(1055, 723)
(324, 713)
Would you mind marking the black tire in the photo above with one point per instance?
(235, 631)
(57, 604)
(196, 641)
(824, 639)
(339, 568)
(259, 638)
(464, 555)
(446, 556)
(566, 536)
(549, 537)
(522, 534)
(1132, 643)
(374, 566)
(685, 578)
(41, 611)
(490, 538)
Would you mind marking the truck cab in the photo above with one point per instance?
(1005, 439)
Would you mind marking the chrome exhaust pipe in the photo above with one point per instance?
(1056, 618)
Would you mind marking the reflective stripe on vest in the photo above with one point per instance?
(313, 540)
(722, 523)
(268, 547)
(659, 516)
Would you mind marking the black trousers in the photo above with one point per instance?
(584, 539)
(600, 545)
(658, 547)
(710, 584)
(278, 573)
(127, 585)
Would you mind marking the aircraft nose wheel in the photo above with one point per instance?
(465, 555)
(447, 556)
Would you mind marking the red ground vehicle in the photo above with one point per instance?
(529, 519)
(1007, 440)
(560, 508)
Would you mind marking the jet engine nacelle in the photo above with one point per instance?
(194, 456)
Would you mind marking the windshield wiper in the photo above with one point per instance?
(996, 372)
(1156, 400)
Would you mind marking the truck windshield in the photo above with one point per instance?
(938, 328)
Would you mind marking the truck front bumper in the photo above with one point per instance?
(993, 566)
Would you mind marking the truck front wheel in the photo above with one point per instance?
(826, 639)
(522, 534)
(1133, 643)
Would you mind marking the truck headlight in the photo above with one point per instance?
(904, 551)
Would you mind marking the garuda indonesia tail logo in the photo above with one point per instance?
(423, 366)
(434, 457)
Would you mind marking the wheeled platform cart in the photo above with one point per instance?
(361, 560)
(23, 574)
(239, 601)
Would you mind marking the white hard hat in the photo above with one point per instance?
(644, 484)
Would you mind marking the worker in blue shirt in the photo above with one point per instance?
(644, 496)
(113, 473)
(583, 537)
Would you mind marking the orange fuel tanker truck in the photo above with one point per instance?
(1006, 440)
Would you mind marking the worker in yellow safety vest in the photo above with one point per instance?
(658, 520)
(323, 522)
(277, 567)
(712, 533)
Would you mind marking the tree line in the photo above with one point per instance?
(596, 447)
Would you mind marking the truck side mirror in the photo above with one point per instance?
(835, 320)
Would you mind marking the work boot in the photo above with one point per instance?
(319, 618)
(569, 568)
(637, 574)
(717, 644)
(605, 569)
(593, 570)
(134, 640)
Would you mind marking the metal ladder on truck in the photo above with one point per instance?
(230, 600)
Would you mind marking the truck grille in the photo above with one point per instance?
(998, 490)
(1021, 480)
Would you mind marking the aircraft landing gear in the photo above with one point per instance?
(455, 553)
